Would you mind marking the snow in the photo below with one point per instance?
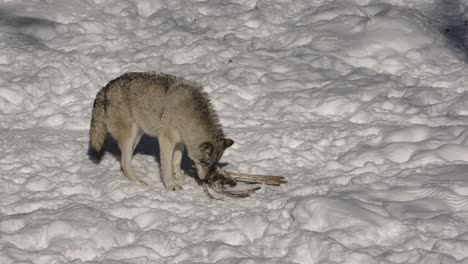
(361, 104)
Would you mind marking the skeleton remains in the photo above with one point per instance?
(220, 180)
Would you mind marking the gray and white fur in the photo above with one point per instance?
(175, 110)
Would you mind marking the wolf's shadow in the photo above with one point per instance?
(147, 146)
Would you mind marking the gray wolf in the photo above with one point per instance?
(176, 111)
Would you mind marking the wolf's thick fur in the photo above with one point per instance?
(176, 111)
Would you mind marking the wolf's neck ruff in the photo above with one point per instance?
(199, 106)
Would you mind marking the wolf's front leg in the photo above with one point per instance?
(177, 163)
(167, 148)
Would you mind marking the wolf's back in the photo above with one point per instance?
(98, 129)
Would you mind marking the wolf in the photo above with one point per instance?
(176, 111)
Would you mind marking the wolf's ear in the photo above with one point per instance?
(228, 142)
(207, 148)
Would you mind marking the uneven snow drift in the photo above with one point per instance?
(362, 105)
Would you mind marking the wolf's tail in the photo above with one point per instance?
(98, 129)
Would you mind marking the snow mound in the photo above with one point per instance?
(362, 105)
(349, 222)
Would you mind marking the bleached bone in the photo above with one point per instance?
(252, 178)
(220, 180)
(220, 188)
(205, 189)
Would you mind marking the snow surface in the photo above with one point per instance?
(361, 104)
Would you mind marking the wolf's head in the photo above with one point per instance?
(209, 154)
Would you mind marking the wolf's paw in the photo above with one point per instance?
(174, 188)
(180, 177)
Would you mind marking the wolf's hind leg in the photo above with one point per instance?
(127, 140)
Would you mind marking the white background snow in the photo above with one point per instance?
(361, 104)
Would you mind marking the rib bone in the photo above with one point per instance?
(252, 178)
